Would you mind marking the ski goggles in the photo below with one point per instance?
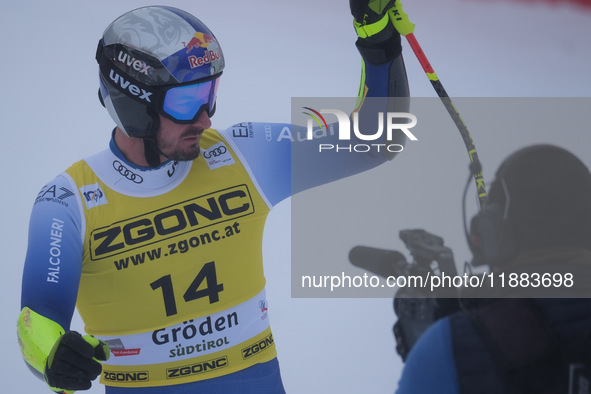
(185, 103)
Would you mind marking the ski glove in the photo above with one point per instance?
(379, 41)
(74, 361)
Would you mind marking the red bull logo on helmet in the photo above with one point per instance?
(209, 57)
(202, 40)
(199, 40)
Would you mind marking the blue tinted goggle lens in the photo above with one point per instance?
(184, 102)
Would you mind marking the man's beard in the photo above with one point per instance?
(184, 155)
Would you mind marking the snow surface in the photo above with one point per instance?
(275, 50)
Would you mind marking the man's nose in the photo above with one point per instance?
(203, 121)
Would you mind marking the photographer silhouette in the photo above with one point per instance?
(531, 332)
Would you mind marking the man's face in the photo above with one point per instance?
(181, 141)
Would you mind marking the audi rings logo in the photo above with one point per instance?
(220, 150)
(218, 155)
(126, 172)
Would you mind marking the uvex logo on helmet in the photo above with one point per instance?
(129, 87)
(136, 64)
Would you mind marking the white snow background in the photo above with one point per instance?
(51, 117)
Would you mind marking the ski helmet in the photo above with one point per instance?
(157, 60)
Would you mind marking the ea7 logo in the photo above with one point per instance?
(51, 192)
(127, 86)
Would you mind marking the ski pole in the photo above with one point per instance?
(403, 25)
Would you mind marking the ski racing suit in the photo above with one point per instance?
(165, 264)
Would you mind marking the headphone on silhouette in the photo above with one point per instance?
(492, 236)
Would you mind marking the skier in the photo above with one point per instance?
(158, 239)
(526, 338)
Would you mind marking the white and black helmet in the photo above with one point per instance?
(155, 61)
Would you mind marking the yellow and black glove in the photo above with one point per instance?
(74, 362)
(379, 41)
(67, 361)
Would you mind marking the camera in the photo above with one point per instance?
(417, 307)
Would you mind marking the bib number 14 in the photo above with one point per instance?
(206, 275)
